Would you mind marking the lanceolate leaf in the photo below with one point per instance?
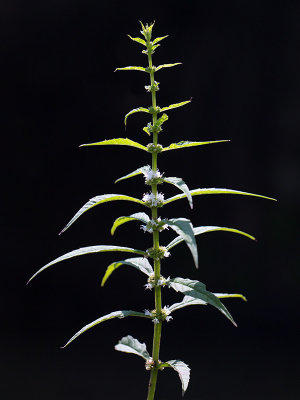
(142, 217)
(134, 173)
(183, 103)
(115, 314)
(184, 228)
(128, 344)
(131, 68)
(99, 200)
(198, 290)
(135, 110)
(186, 143)
(158, 39)
(183, 371)
(180, 184)
(138, 40)
(197, 192)
(118, 141)
(230, 295)
(140, 263)
(87, 250)
(166, 66)
(204, 229)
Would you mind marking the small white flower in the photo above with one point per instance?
(166, 310)
(149, 174)
(155, 321)
(169, 318)
(148, 286)
(167, 253)
(153, 201)
(147, 313)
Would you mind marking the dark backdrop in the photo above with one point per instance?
(58, 90)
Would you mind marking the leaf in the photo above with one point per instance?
(204, 229)
(176, 105)
(142, 217)
(99, 200)
(118, 141)
(184, 228)
(128, 344)
(187, 301)
(166, 66)
(134, 173)
(131, 68)
(87, 250)
(183, 371)
(180, 184)
(115, 314)
(197, 192)
(135, 110)
(198, 290)
(140, 263)
(138, 40)
(229, 295)
(158, 39)
(186, 143)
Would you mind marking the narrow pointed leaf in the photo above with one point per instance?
(158, 39)
(99, 200)
(131, 68)
(230, 295)
(87, 250)
(197, 192)
(204, 229)
(128, 344)
(135, 110)
(138, 40)
(186, 143)
(187, 301)
(180, 184)
(166, 66)
(198, 290)
(176, 105)
(183, 371)
(119, 142)
(115, 314)
(134, 173)
(184, 228)
(142, 217)
(140, 263)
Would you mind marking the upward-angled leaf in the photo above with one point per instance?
(166, 66)
(183, 371)
(176, 105)
(119, 142)
(187, 301)
(134, 173)
(87, 250)
(135, 110)
(142, 217)
(185, 143)
(138, 40)
(180, 184)
(198, 290)
(131, 68)
(140, 263)
(128, 344)
(158, 39)
(184, 228)
(115, 314)
(204, 229)
(99, 200)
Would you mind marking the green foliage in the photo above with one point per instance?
(130, 345)
(119, 141)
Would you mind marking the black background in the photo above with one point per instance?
(58, 90)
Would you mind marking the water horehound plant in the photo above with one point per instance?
(149, 261)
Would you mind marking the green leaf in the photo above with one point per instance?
(135, 110)
(166, 66)
(118, 141)
(131, 68)
(134, 173)
(197, 192)
(183, 371)
(180, 184)
(204, 229)
(138, 40)
(186, 143)
(99, 200)
(142, 217)
(115, 314)
(198, 290)
(230, 295)
(128, 344)
(140, 263)
(158, 39)
(187, 301)
(184, 228)
(87, 250)
(176, 105)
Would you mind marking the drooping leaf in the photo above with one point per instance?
(204, 229)
(135, 110)
(119, 142)
(142, 217)
(197, 192)
(184, 228)
(88, 250)
(115, 314)
(180, 184)
(140, 263)
(128, 344)
(158, 39)
(176, 105)
(183, 371)
(166, 66)
(185, 143)
(134, 173)
(99, 200)
(187, 301)
(198, 290)
(138, 40)
(131, 68)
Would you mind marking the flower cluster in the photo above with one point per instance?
(153, 201)
(157, 225)
(160, 282)
(154, 148)
(157, 318)
(157, 254)
(152, 177)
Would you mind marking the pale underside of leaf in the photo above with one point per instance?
(183, 371)
(134, 173)
(115, 314)
(118, 142)
(183, 144)
(140, 263)
(88, 250)
(167, 66)
(135, 110)
(131, 68)
(128, 344)
(176, 105)
(142, 217)
(99, 200)
(181, 185)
